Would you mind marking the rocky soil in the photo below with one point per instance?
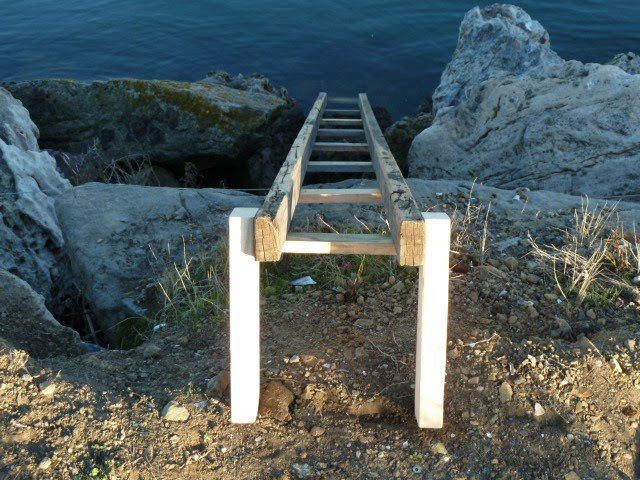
(537, 386)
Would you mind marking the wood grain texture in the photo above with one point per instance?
(340, 132)
(404, 216)
(341, 167)
(340, 195)
(342, 111)
(341, 147)
(339, 244)
(343, 100)
(273, 218)
(352, 122)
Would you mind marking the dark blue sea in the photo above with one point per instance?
(394, 50)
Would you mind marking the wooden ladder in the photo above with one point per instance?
(415, 239)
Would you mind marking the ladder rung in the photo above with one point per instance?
(340, 195)
(340, 147)
(342, 111)
(342, 100)
(341, 167)
(339, 132)
(339, 243)
(341, 121)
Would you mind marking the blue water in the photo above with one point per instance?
(394, 50)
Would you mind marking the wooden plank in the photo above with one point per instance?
(404, 216)
(339, 167)
(272, 221)
(340, 147)
(244, 317)
(339, 244)
(340, 132)
(343, 100)
(431, 341)
(341, 111)
(340, 195)
(353, 122)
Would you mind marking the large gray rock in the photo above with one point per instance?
(563, 126)
(26, 323)
(493, 41)
(220, 122)
(629, 62)
(121, 239)
(30, 238)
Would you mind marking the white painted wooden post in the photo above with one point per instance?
(433, 300)
(244, 312)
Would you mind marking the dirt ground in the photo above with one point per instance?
(536, 388)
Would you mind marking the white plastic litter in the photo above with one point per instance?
(303, 281)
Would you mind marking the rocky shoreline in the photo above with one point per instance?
(105, 186)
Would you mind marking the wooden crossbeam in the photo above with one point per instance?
(339, 167)
(342, 111)
(273, 219)
(340, 132)
(340, 195)
(404, 216)
(339, 244)
(343, 100)
(340, 147)
(353, 122)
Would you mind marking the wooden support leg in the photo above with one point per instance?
(433, 299)
(244, 323)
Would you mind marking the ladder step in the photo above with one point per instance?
(342, 100)
(341, 121)
(340, 147)
(342, 111)
(341, 167)
(339, 243)
(339, 132)
(340, 195)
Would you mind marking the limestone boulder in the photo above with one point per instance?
(218, 123)
(629, 62)
(121, 240)
(26, 324)
(493, 41)
(29, 234)
(523, 117)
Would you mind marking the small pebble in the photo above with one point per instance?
(538, 410)
(174, 412)
(47, 388)
(506, 392)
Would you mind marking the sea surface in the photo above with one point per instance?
(394, 50)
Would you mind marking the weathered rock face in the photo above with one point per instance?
(121, 238)
(629, 62)
(216, 123)
(400, 135)
(563, 126)
(30, 238)
(496, 40)
(26, 323)
(522, 206)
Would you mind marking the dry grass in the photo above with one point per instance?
(597, 256)
(96, 166)
(470, 233)
(12, 360)
(195, 291)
